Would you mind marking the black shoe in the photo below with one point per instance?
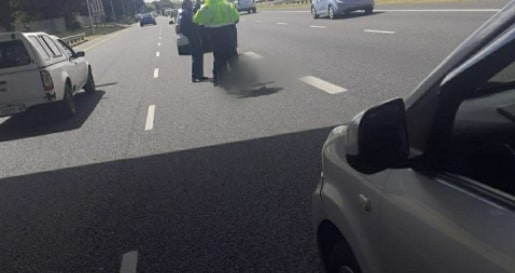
(196, 80)
(204, 78)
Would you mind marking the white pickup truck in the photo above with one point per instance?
(37, 68)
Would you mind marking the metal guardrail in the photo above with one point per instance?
(71, 40)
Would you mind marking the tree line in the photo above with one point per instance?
(12, 11)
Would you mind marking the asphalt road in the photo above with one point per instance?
(184, 177)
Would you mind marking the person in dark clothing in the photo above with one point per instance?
(191, 30)
(220, 17)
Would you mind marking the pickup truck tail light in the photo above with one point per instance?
(48, 83)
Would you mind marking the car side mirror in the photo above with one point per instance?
(377, 138)
(80, 54)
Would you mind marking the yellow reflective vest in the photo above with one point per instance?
(217, 13)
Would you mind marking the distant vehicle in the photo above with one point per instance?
(427, 186)
(147, 19)
(36, 68)
(334, 8)
(245, 5)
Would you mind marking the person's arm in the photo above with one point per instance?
(236, 14)
(200, 17)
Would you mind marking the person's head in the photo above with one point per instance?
(187, 5)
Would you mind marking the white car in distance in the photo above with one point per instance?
(37, 68)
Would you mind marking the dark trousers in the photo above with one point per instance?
(197, 59)
(225, 53)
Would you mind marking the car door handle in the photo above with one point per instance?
(364, 203)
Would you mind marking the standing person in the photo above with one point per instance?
(191, 30)
(220, 18)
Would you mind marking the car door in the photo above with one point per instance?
(80, 63)
(320, 6)
(456, 211)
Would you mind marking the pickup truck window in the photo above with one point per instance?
(67, 49)
(39, 48)
(13, 53)
(51, 44)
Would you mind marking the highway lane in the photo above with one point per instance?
(219, 182)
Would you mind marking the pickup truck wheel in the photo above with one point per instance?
(67, 105)
(90, 85)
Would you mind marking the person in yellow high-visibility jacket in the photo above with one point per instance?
(220, 17)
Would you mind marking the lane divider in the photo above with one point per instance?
(129, 262)
(252, 55)
(314, 26)
(323, 85)
(156, 73)
(281, 23)
(149, 124)
(379, 31)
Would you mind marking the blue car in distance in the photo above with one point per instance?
(147, 19)
(333, 8)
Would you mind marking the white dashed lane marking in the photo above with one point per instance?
(159, 44)
(149, 124)
(313, 26)
(157, 54)
(379, 31)
(156, 73)
(323, 85)
(252, 55)
(281, 23)
(129, 262)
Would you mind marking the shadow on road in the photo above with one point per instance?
(43, 120)
(106, 84)
(224, 208)
(263, 91)
(354, 15)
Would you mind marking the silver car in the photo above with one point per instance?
(427, 185)
(335, 8)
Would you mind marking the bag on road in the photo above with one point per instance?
(183, 45)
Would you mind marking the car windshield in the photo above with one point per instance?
(13, 54)
(148, 136)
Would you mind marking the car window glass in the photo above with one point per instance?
(39, 48)
(50, 43)
(482, 146)
(13, 53)
(67, 49)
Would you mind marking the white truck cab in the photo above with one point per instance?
(37, 68)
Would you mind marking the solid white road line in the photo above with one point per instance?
(157, 54)
(149, 124)
(156, 73)
(313, 26)
(437, 10)
(323, 85)
(158, 44)
(252, 55)
(379, 31)
(281, 23)
(401, 10)
(129, 262)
